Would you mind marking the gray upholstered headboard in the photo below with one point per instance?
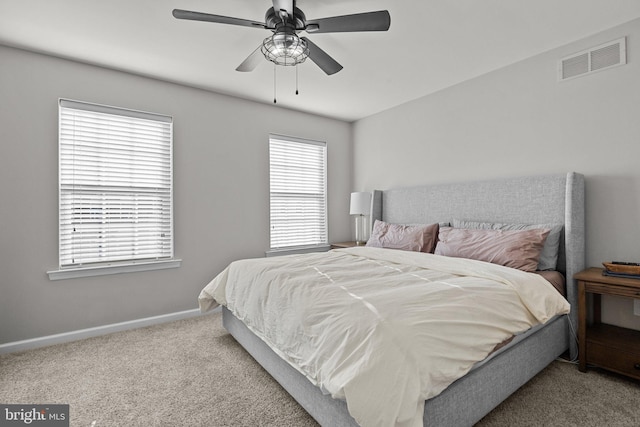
(546, 199)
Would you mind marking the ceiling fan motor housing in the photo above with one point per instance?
(298, 21)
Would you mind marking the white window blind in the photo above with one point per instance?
(116, 198)
(298, 176)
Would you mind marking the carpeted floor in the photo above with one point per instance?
(192, 373)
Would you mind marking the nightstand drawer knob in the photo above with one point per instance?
(637, 366)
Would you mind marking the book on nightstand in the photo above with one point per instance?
(626, 276)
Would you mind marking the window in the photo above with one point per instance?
(115, 184)
(298, 192)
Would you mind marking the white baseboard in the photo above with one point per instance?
(97, 331)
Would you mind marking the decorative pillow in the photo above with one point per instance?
(512, 248)
(548, 256)
(419, 238)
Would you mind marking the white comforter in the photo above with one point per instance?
(383, 329)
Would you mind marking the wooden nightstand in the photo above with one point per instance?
(610, 347)
(344, 245)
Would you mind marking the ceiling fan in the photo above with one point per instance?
(285, 20)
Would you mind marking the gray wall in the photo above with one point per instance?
(221, 191)
(520, 120)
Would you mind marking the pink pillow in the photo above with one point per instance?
(512, 248)
(419, 238)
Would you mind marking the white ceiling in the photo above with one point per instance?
(430, 45)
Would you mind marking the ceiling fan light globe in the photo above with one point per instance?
(285, 49)
(284, 42)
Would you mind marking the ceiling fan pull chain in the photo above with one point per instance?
(296, 79)
(274, 84)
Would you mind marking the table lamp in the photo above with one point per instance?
(361, 208)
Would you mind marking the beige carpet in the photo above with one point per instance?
(192, 373)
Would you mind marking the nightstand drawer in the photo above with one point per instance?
(615, 360)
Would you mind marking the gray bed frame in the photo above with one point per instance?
(548, 199)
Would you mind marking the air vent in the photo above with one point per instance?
(595, 59)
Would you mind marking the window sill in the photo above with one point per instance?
(72, 273)
(297, 250)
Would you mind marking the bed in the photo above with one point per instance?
(549, 199)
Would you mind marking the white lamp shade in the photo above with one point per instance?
(360, 203)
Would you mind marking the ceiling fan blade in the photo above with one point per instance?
(287, 5)
(252, 61)
(322, 58)
(368, 21)
(198, 16)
